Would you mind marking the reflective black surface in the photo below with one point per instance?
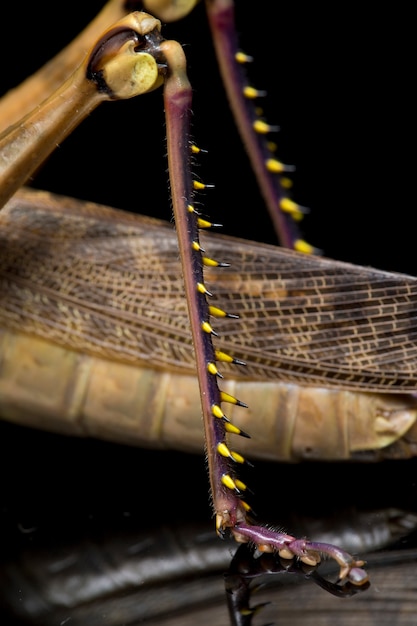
(86, 535)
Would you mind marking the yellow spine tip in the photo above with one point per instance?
(210, 262)
(206, 327)
(295, 210)
(222, 356)
(223, 450)
(241, 57)
(238, 458)
(216, 312)
(226, 397)
(212, 369)
(217, 412)
(251, 93)
(286, 182)
(288, 206)
(203, 223)
(302, 246)
(229, 482)
(262, 128)
(231, 428)
(202, 289)
(274, 166)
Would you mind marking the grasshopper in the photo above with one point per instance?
(230, 482)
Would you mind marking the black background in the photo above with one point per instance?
(339, 88)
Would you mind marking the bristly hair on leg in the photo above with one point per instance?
(227, 490)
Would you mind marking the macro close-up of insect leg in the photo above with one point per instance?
(395, 412)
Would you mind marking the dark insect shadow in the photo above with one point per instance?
(247, 574)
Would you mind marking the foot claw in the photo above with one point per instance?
(308, 552)
(285, 553)
(357, 576)
(311, 558)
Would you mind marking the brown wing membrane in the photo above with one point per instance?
(312, 320)
(109, 283)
